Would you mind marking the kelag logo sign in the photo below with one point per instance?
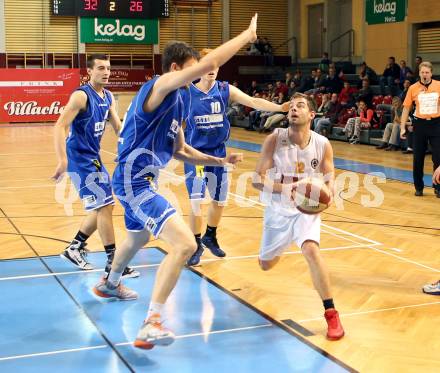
(385, 11)
(119, 31)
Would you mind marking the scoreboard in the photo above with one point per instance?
(112, 8)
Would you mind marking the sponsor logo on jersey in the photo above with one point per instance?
(150, 224)
(210, 118)
(285, 142)
(173, 129)
(99, 129)
(89, 201)
(99, 126)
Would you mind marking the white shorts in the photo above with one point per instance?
(280, 231)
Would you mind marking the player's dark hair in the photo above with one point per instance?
(96, 56)
(178, 52)
(310, 100)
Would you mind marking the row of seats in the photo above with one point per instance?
(377, 100)
(381, 116)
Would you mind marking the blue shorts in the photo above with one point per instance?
(197, 178)
(144, 207)
(91, 180)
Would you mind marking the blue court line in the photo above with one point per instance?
(53, 322)
(347, 164)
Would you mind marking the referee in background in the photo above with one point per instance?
(425, 94)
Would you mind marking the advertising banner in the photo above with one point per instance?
(35, 95)
(119, 31)
(385, 11)
(123, 79)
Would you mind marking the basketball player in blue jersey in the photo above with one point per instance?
(207, 130)
(87, 111)
(151, 135)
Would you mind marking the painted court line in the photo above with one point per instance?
(386, 252)
(404, 259)
(22, 180)
(396, 249)
(285, 253)
(383, 251)
(375, 311)
(42, 275)
(351, 234)
(29, 186)
(48, 353)
(68, 273)
(210, 333)
(348, 164)
(14, 154)
(350, 240)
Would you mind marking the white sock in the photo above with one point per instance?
(114, 278)
(155, 308)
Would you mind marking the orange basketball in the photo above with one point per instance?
(311, 195)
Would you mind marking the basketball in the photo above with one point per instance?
(311, 195)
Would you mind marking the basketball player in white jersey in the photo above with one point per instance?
(287, 155)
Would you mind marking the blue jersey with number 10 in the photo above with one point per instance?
(207, 127)
(88, 126)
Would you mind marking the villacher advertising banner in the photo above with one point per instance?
(35, 95)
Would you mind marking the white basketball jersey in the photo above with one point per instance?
(291, 163)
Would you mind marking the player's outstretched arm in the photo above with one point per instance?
(186, 153)
(77, 102)
(236, 95)
(176, 79)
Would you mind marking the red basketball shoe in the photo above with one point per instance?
(335, 330)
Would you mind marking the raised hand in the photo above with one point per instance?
(253, 28)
